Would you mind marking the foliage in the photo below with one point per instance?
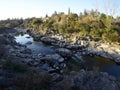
(94, 23)
(33, 82)
(14, 66)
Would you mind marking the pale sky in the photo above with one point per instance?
(38, 8)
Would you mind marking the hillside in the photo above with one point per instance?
(89, 23)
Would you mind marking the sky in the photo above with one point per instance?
(39, 8)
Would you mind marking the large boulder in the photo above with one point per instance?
(25, 51)
(54, 58)
(52, 63)
(117, 60)
(28, 43)
(74, 47)
(7, 39)
(66, 53)
(36, 37)
(49, 40)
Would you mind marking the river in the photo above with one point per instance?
(96, 62)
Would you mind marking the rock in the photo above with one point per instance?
(49, 40)
(61, 44)
(78, 56)
(26, 51)
(117, 60)
(52, 58)
(22, 56)
(46, 67)
(7, 39)
(36, 37)
(88, 80)
(63, 65)
(64, 52)
(74, 47)
(57, 78)
(28, 43)
(52, 63)
(99, 82)
(33, 63)
(28, 37)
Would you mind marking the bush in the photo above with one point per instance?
(33, 82)
(14, 66)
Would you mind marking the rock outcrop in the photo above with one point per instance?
(88, 80)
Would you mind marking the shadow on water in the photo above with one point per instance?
(104, 65)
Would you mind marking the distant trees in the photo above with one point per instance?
(93, 23)
(11, 23)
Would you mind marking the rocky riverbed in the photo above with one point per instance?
(91, 47)
(22, 69)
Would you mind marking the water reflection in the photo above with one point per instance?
(103, 64)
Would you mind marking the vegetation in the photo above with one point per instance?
(93, 23)
(14, 66)
(33, 82)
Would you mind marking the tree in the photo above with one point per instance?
(85, 12)
(103, 17)
(69, 11)
(46, 15)
(55, 13)
(80, 15)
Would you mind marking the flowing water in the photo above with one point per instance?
(96, 62)
(36, 47)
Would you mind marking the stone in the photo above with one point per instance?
(46, 67)
(78, 56)
(74, 47)
(49, 40)
(57, 78)
(64, 52)
(28, 37)
(33, 63)
(36, 37)
(52, 58)
(63, 65)
(26, 51)
(117, 60)
(28, 43)
(86, 80)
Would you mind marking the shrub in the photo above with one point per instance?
(14, 66)
(33, 82)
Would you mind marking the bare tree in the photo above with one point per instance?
(110, 7)
(96, 5)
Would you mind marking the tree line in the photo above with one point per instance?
(93, 23)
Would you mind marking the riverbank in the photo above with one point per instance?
(23, 69)
(87, 45)
(105, 50)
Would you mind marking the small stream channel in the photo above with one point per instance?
(36, 47)
(90, 63)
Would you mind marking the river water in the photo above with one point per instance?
(36, 47)
(96, 62)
